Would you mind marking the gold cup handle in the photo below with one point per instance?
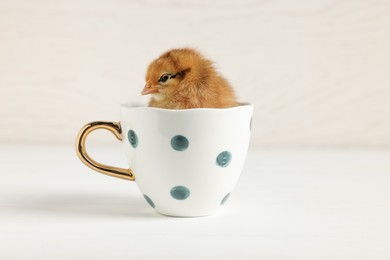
(114, 128)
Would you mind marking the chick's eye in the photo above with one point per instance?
(164, 78)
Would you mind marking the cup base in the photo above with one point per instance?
(187, 215)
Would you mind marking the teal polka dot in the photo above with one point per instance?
(150, 201)
(224, 158)
(225, 198)
(179, 143)
(180, 192)
(133, 139)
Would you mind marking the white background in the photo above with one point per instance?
(317, 71)
(288, 205)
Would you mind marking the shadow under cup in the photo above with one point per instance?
(185, 162)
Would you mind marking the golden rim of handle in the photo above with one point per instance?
(113, 127)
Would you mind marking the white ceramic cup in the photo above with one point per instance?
(185, 162)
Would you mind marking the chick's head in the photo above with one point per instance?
(162, 78)
(170, 72)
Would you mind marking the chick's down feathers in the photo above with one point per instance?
(183, 78)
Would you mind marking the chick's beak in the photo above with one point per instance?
(149, 89)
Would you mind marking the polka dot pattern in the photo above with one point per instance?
(180, 192)
(133, 139)
(150, 201)
(224, 158)
(179, 143)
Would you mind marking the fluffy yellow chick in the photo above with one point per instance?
(183, 78)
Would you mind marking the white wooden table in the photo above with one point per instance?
(289, 204)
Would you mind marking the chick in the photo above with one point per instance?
(183, 78)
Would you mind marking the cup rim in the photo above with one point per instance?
(134, 105)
